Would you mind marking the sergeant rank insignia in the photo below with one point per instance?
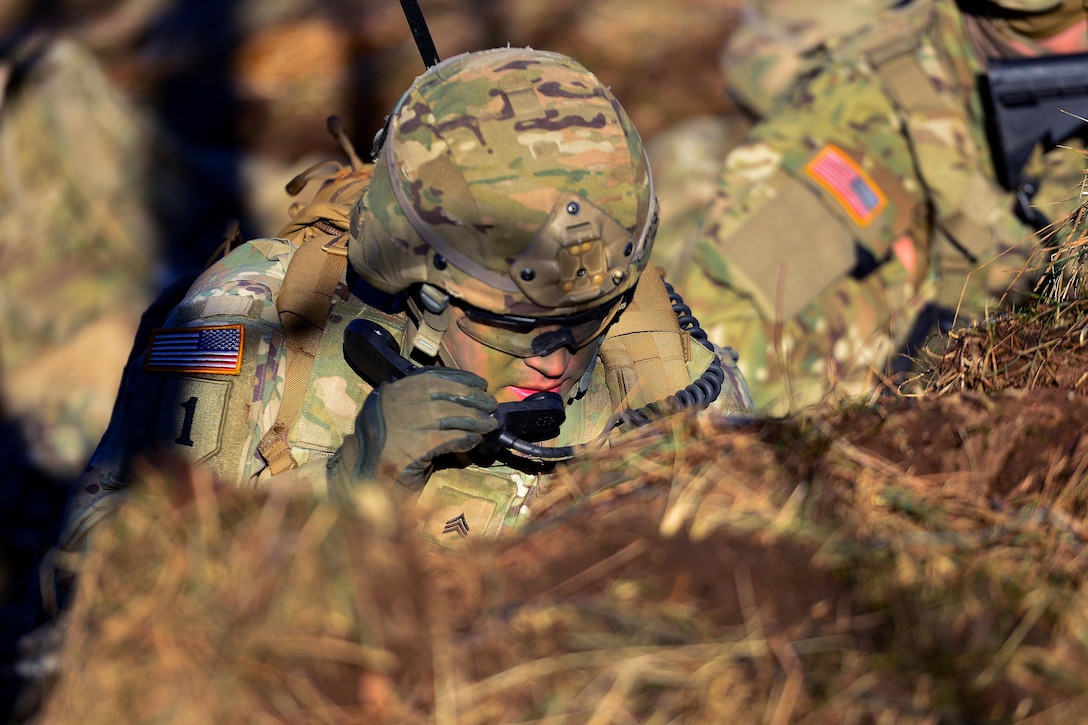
(457, 525)
(215, 349)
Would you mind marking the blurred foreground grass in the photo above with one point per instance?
(916, 562)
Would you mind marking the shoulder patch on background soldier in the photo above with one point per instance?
(840, 176)
(212, 349)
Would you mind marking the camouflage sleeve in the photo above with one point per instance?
(778, 42)
(825, 187)
(200, 388)
(735, 397)
(831, 173)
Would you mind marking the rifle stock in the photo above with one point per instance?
(1030, 101)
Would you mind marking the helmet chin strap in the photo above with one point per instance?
(431, 314)
(587, 376)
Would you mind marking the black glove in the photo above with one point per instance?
(405, 424)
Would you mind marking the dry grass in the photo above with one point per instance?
(1039, 348)
(824, 570)
(1043, 343)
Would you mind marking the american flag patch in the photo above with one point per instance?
(841, 177)
(196, 350)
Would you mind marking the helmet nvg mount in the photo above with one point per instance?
(510, 179)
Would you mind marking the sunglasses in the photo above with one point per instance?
(536, 336)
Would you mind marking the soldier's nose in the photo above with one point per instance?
(552, 365)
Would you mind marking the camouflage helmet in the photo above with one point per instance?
(510, 179)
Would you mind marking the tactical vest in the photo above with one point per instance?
(304, 396)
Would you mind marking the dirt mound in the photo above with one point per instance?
(1045, 348)
(912, 560)
(919, 561)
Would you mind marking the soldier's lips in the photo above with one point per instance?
(523, 393)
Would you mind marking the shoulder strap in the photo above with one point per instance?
(952, 174)
(309, 287)
(645, 353)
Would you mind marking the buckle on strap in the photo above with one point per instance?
(276, 451)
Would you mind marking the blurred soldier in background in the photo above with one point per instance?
(867, 210)
(79, 262)
(78, 254)
(774, 44)
(777, 42)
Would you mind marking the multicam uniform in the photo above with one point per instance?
(862, 211)
(215, 382)
(219, 417)
(776, 42)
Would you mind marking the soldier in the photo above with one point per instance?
(778, 42)
(79, 251)
(73, 150)
(499, 247)
(867, 212)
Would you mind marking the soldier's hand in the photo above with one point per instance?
(405, 424)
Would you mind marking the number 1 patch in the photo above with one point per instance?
(192, 415)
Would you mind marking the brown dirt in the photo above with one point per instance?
(918, 560)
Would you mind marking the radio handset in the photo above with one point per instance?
(375, 356)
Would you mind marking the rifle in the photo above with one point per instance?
(1031, 101)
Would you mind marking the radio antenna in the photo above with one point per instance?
(418, 25)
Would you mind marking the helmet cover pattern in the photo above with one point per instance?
(511, 179)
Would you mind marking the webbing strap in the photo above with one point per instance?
(303, 303)
(968, 226)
